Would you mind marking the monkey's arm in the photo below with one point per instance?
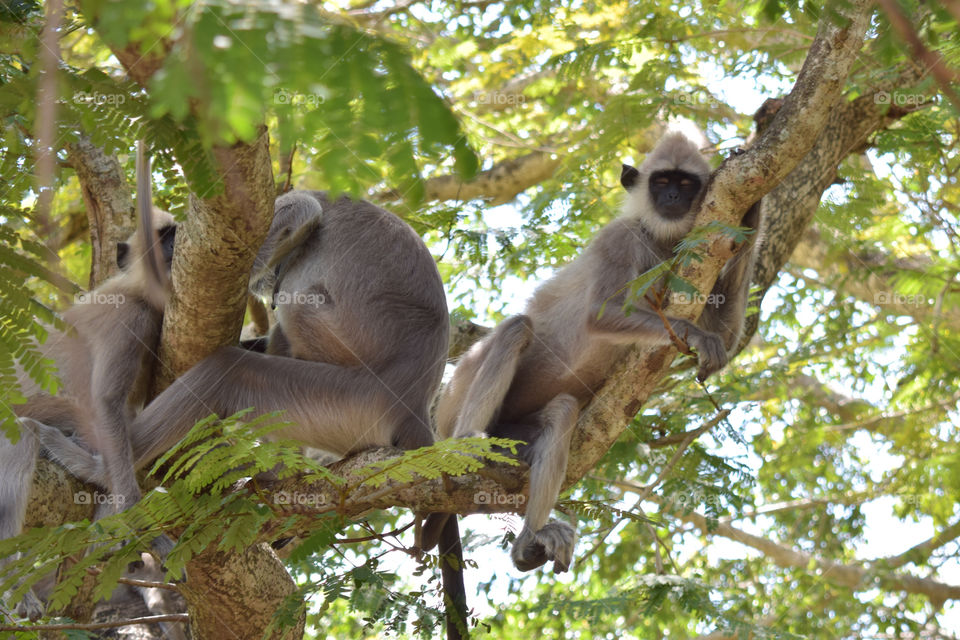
(607, 319)
(118, 360)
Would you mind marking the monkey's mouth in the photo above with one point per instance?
(674, 211)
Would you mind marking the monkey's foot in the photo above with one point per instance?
(555, 541)
(30, 606)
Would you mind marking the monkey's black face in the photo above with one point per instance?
(673, 192)
(168, 236)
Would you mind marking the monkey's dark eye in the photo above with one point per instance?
(661, 181)
(686, 183)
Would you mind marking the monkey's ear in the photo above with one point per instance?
(291, 238)
(629, 176)
(123, 254)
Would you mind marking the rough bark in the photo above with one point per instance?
(791, 206)
(233, 601)
(109, 202)
(215, 250)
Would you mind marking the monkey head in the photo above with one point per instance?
(661, 192)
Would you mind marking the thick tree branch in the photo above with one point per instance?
(792, 205)
(213, 257)
(499, 184)
(109, 202)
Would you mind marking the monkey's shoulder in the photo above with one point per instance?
(627, 241)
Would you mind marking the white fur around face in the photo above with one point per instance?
(639, 205)
(676, 151)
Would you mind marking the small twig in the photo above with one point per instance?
(93, 626)
(944, 75)
(374, 536)
(675, 458)
(286, 166)
(146, 584)
(677, 341)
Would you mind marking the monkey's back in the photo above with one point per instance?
(369, 295)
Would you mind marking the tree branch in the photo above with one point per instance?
(853, 577)
(499, 184)
(109, 203)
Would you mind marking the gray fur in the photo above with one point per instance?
(17, 462)
(360, 346)
(579, 331)
(105, 361)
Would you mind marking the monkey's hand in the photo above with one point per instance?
(710, 351)
(555, 541)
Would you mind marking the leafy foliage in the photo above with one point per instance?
(21, 330)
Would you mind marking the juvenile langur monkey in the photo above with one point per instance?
(105, 360)
(529, 379)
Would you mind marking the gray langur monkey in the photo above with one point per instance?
(105, 361)
(529, 379)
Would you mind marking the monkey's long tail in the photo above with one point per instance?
(451, 573)
(157, 279)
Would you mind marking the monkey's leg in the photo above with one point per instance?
(65, 451)
(17, 465)
(540, 540)
(477, 405)
(492, 381)
(337, 409)
(118, 358)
